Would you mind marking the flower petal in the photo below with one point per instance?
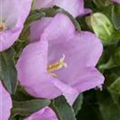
(32, 66)
(5, 103)
(69, 92)
(60, 27)
(71, 97)
(44, 114)
(74, 7)
(8, 38)
(88, 79)
(14, 20)
(42, 3)
(7, 12)
(117, 1)
(37, 28)
(43, 87)
(82, 48)
(82, 51)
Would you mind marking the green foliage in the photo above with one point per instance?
(115, 87)
(8, 73)
(90, 108)
(116, 16)
(109, 109)
(63, 110)
(26, 108)
(78, 104)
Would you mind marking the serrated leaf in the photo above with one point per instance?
(26, 108)
(63, 109)
(8, 73)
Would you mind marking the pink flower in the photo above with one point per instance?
(75, 7)
(44, 114)
(13, 14)
(60, 60)
(5, 103)
(117, 1)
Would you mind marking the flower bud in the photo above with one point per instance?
(102, 26)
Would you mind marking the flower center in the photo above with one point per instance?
(57, 65)
(2, 26)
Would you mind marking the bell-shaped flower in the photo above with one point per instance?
(13, 14)
(74, 7)
(44, 114)
(60, 60)
(5, 103)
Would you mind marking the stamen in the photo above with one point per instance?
(53, 75)
(2, 26)
(58, 65)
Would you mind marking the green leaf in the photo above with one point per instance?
(63, 109)
(78, 104)
(21, 95)
(90, 108)
(8, 73)
(115, 86)
(35, 15)
(12, 118)
(116, 16)
(101, 3)
(18, 117)
(109, 109)
(110, 64)
(114, 90)
(26, 108)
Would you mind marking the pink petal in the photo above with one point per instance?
(88, 78)
(82, 52)
(42, 3)
(37, 28)
(74, 7)
(32, 71)
(117, 1)
(44, 114)
(14, 19)
(5, 103)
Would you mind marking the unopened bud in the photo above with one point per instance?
(102, 26)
